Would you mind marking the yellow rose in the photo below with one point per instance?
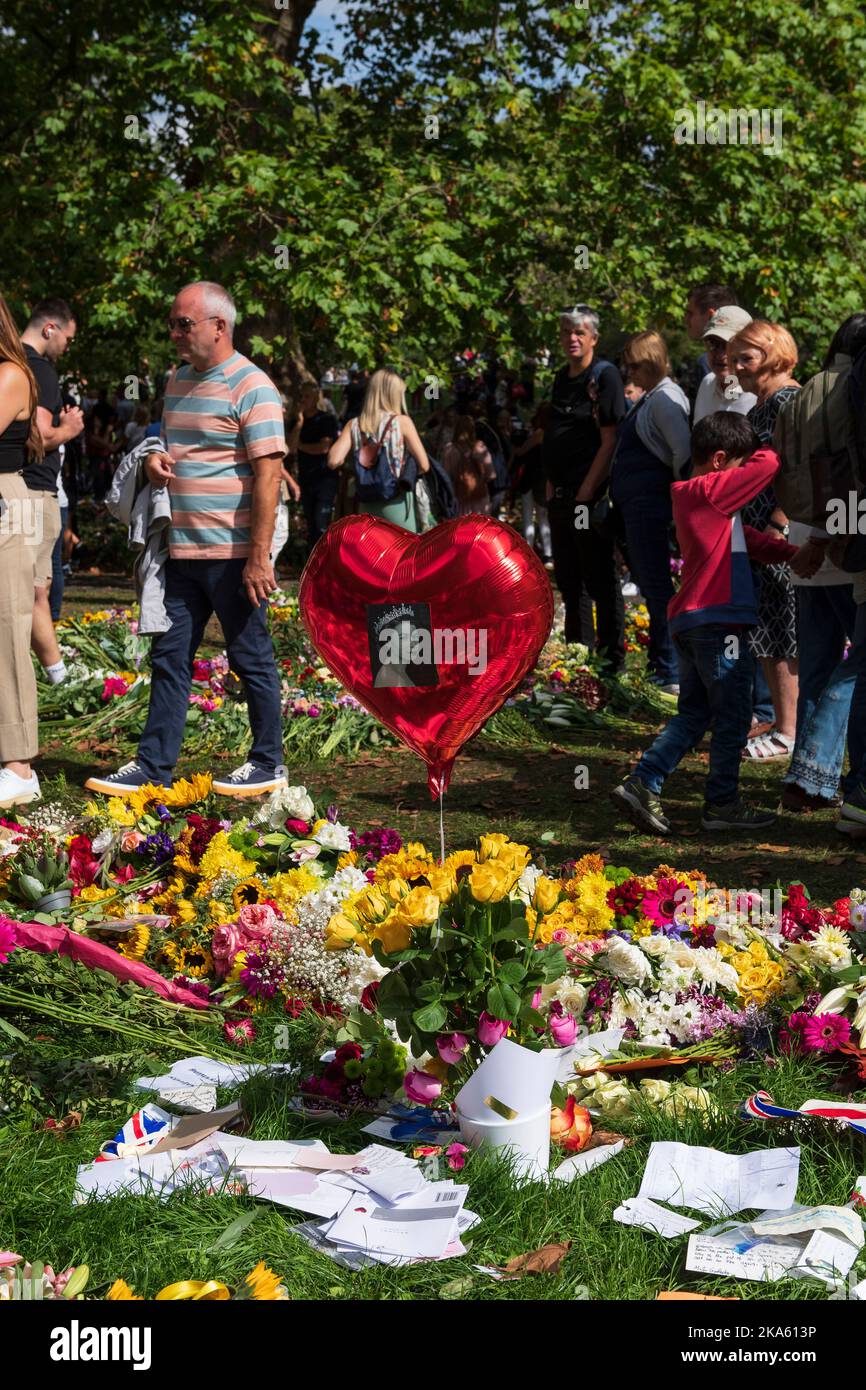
(394, 933)
(753, 979)
(742, 961)
(757, 950)
(489, 882)
(547, 894)
(490, 846)
(442, 883)
(340, 933)
(419, 908)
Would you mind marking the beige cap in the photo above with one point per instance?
(726, 322)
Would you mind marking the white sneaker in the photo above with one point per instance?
(17, 791)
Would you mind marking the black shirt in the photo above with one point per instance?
(353, 399)
(572, 438)
(41, 476)
(315, 428)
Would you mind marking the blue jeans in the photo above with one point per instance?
(857, 718)
(55, 593)
(762, 700)
(647, 521)
(194, 590)
(318, 486)
(826, 616)
(715, 692)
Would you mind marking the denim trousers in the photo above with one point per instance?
(857, 717)
(647, 521)
(194, 590)
(826, 614)
(716, 670)
(318, 485)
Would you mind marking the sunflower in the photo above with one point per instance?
(347, 860)
(135, 943)
(252, 890)
(188, 790)
(120, 1290)
(264, 1284)
(195, 962)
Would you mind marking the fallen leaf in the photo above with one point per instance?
(545, 1260)
(601, 1138)
(775, 849)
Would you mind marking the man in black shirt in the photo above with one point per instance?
(47, 336)
(586, 406)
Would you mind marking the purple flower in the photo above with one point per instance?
(375, 844)
(163, 812)
(261, 975)
(159, 847)
(313, 712)
(332, 814)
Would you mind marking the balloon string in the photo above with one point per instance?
(441, 826)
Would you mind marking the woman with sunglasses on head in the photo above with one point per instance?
(763, 356)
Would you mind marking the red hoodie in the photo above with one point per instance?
(716, 547)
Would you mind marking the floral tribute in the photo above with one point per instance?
(423, 966)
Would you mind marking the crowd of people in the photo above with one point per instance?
(608, 473)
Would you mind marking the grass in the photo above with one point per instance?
(529, 792)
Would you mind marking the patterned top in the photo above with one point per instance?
(762, 418)
(214, 422)
(391, 441)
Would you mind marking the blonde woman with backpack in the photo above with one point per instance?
(379, 442)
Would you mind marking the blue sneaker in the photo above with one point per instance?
(128, 778)
(250, 780)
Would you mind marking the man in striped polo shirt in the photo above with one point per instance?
(223, 425)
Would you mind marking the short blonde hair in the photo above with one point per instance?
(771, 339)
(648, 349)
(385, 395)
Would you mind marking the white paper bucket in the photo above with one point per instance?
(526, 1139)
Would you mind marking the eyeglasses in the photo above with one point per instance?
(185, 324)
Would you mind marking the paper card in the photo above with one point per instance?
(827, 1258)
(153, 1174)
(420, 1227)
(686, 1175)
(194, 1128)
(518, 1078)
(301, 1191)
(394, 1184)
(312, 1235)
(764, 1262)
(197, 1099)
(579, 1164)
(384, 1127)
(649, 1216)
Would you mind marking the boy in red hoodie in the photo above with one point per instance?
(708, 619)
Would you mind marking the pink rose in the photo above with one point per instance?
(421, 1088)
(451, 1047)
(297, 827)
(563, 1026)
(456, 1156)
(130, 840)
(224, 946)
(257, 921)
(491, 1030)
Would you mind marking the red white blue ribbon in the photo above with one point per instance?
(761, 1106)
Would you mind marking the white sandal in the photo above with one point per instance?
(768, 748)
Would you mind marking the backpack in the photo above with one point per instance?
(816, 437)
(375, 480)
(598, 366)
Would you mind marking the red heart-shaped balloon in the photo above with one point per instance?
(451, 621)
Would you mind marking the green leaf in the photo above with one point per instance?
(431, 1019)
(234, 1231)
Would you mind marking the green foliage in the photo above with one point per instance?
(348, 225)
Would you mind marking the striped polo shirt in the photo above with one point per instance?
(214, 422)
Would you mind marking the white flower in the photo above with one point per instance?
(715, 971)
(102, 841)
(657, 945)
(333, 836)
(830, 947)
(730, 928)
(286, 803)
(631, 1008)
(527, 881)
(626, 962)
(857, 915)
(655, 1033)
(572, 995)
